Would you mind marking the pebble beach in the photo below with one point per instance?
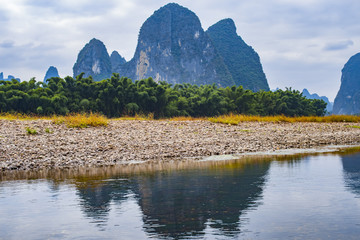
(55, 146)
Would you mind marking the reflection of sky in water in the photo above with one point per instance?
(316, 197)
(307, 201)
(35, 211)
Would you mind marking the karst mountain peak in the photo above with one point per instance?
(173, 47)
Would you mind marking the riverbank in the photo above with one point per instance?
(127, 142)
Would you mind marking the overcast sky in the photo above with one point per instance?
(301, 43)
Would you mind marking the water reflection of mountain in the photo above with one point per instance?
(183, 203)
(96, 196)
(351, 167)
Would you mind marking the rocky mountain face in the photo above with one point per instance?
(241, 60)
(51, 72)
(329, 106)
(173, 47)
(347, 100)
(94, 61)
(116, 61)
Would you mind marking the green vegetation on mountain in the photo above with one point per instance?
(118, 96)
(241, 60)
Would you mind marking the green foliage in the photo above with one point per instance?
(31, 131)
(39, 110)
(354, 126)
(120, 96)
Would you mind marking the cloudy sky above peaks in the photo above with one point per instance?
(301, 43)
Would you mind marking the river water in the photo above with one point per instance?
(313, 197)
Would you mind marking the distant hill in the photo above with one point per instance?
(9, 78)
(329, 106)
(51, 72)
(241, 59)
(173, 47)
(347, 100)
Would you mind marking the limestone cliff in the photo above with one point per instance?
(347, 100)
(173, 47)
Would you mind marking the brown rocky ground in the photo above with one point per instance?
(123, 142)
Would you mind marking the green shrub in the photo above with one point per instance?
(31, 131)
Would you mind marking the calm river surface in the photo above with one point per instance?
(315, 197)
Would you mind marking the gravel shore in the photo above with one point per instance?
(124, 142)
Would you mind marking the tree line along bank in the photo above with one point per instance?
(119, 96)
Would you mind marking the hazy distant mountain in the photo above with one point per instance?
(94, 61)
(51, 72)
(347, 100)
(173, 47)
(241, 60)
(9, 78)
(329, 106)
(116, 61)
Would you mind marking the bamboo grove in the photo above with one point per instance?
(120, 96)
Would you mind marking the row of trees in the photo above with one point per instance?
(119, 96)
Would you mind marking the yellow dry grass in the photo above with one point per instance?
(186, 119)
(234, 119)
(21, 116)
(140, 117)
(80, 120)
